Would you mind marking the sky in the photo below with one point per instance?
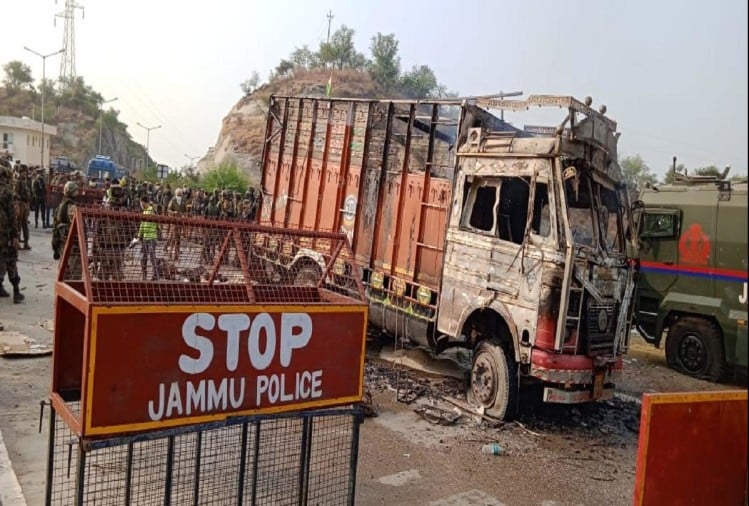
(673, 74)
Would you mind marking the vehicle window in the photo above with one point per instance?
(580, 212)
(482, 213)
(658, 225)
(541, 223)
(512, 213)
(611, 221)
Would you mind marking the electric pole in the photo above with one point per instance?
(330, 17)
(44, 89)
(148, 137)
(67, 65)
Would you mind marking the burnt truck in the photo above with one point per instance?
(467, 231)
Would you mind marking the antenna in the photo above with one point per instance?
(67, 64)
(330, 17)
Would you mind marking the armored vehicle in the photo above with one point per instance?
(693, 274)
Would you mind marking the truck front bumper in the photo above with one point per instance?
(575, 378)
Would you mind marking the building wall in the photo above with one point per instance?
(22, 138)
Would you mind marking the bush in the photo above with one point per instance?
(226, 176)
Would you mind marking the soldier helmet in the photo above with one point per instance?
(70, 189)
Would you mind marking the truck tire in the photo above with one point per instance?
(494, 385)
(306, 274)
(694, 346)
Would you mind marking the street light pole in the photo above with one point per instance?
(44, 75)
(101, 117)
(148, 136)
(192, 159)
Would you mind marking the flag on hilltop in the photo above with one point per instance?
(329, 86)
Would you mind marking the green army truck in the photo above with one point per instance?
(693, 274)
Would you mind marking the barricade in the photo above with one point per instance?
(692, 449)
(201, 361)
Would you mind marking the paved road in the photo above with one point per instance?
(560, 455)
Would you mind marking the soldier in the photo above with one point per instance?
(61, 227)
(226, 205)
(8, 235)
(112, 237)
(177, 206)
(211, 212)
(165, 198)
(23, 195)
(252, 197)
(39, 188)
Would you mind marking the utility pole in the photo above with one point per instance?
(67, 65)
(148, 137)
(192, 160)
(101, 118)
(330, 17)
(44, 87)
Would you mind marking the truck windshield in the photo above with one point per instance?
(611, 220)
(580, 210)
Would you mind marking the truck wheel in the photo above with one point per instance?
(494, 383)
(694, 347)
(306, 275)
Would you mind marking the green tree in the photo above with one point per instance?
(669, 178)
(636, 173)
(76, 94)
(419, 82)
(224, 177)
(340, 51)
(250, 84)
(386, 64)
(304, 57)
(284, 68)
(17, 76)
(710, 170)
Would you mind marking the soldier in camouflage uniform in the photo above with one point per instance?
(8, 235)
(177, 206)
(211, 212)
(61, 227)
(111, 238)
(226, 206)
(23, 195)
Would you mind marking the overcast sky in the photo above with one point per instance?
(672, 73)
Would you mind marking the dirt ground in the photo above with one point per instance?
(553, 455)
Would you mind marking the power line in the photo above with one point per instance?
(67, 64)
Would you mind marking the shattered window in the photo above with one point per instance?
(482, 213)
(541, 223)
(513, 208)
(580, 210)
(611, 221)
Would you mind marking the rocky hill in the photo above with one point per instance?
(240, 140)
(77, 122)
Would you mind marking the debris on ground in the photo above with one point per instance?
(15, 344)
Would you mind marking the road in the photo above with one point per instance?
(554, 455)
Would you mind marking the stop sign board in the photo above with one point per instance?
(153, 367)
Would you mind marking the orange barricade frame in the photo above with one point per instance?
(692, 449)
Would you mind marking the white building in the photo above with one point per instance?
(22, 138)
